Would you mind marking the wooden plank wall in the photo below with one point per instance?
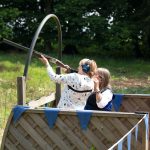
(31, 131)
(135, 102)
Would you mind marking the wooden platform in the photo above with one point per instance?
(33, 132)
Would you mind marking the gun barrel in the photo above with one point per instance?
(51, 59)
(3, 40)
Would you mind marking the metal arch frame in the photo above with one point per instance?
(36, 37)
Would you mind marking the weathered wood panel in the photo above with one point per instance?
(135, 102)
(104, 129)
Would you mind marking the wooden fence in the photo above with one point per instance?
(49, 128)
(128, 103)
(135, 102)
(125, 102)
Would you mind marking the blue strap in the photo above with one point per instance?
(117, 100)
(84, 118)
(51, 115)
(18, 110)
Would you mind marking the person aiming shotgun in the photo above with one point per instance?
(77, 86)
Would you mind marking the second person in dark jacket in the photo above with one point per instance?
(101, 98)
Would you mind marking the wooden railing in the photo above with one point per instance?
(49, 128)
(128, 136)
(129, 103)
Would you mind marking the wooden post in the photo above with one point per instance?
(21, 90)
(58, 88)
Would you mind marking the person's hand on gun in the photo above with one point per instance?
(67, 69)
(44, 60)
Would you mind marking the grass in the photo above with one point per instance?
(128, 76)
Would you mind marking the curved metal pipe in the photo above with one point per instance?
(36, 37)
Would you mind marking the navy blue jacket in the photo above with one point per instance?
(92, 105)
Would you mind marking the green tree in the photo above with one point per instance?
(7, 18)
(26, 22)
(118, 27)
(141, 18)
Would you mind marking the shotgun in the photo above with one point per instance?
(36, 53)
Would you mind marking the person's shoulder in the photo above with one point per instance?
(73, 75)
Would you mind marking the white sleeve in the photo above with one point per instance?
(59, 78)
(106, 98)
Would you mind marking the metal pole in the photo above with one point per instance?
(58, 86)
(36, 37)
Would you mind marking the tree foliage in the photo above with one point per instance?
(7, 18)
(113, 28)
